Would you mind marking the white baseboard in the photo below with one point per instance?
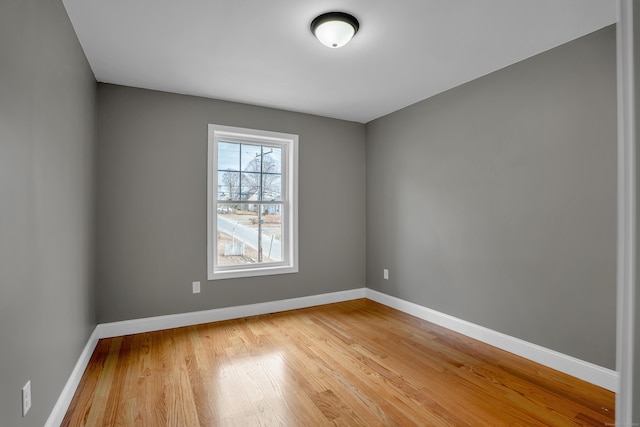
(137, 326)
(594, 374)
(586, 371)
(64, 400)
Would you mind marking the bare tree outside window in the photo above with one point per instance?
(230, 186)
(264, 179)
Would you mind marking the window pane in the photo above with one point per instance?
(228, 156)
(271, 233)
(271, 187)
(250, 186)
(251, 157)
(243, 229)
(228, 185)
(235, 235)
(272, 160)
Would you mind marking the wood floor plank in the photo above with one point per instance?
(356, 363)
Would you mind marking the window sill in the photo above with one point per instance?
(252, 272)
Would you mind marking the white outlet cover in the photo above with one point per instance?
(196, 287)
(26, 398)
(386, 274)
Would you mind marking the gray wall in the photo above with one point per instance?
(636, 82)
(47, 166)
(152, 204)
(495, 202)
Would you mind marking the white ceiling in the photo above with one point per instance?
(262, 52)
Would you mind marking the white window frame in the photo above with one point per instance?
(289, 144)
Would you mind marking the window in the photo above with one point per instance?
(252, 203)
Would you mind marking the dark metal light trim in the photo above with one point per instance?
(335, 16)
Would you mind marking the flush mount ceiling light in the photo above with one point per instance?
(334, 29)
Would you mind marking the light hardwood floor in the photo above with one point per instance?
(356, 363)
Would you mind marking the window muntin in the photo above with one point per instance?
(253, 205)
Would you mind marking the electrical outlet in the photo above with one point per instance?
(196, 287)
(386, 274)
(26, 398)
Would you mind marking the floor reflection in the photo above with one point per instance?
(252, 388)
